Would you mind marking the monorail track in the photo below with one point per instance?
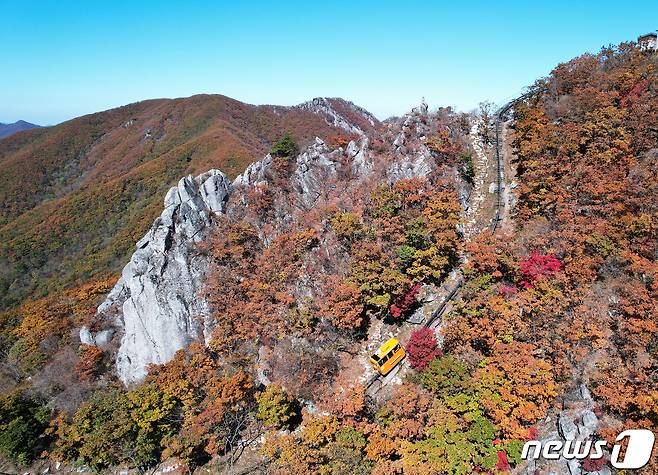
(499, 119)
(376, 382)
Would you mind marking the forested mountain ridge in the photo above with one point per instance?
(75, 197)
(320, 251)
(588, 162)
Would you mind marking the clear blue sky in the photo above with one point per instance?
(60, 59)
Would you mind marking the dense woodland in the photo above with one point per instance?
(74, 198)
(569, 296)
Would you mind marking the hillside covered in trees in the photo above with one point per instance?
(323, 249)
(74, 198)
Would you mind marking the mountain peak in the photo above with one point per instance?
(342, 113)
(9, 129)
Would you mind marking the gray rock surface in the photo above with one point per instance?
(323, 107)
(421, 108)
(362, 164)
(86, 338)
(576, 421)
(254, 174)
(314, 168)
(156, 299)
(567, 426)
(352, 149)
(399, 141)
(100, 339)
(419, 165)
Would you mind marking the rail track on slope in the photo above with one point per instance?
(376, 382)
(499, 119)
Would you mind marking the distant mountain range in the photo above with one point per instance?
(9, 129)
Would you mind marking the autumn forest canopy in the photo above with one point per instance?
(329, 248)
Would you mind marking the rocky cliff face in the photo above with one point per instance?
(157, 306)
(343, 114)
(154, 304)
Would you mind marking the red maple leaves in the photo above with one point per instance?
(536, 266)
(422, 348)
(404, 304)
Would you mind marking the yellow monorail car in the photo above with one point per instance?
(387, 357)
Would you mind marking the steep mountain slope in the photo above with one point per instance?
(271, 241)
(554, 333)
(74, 197)
(569, 293)
(160, 311)
(243, 322)
(9, 129)
(587, 161)
(301, 255)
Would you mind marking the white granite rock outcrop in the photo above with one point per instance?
(575, 422)
(315, 167)
(155, 301)
(325, 107)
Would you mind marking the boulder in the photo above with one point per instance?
(254, 173)
(567, 427)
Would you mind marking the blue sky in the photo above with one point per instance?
(61, 59)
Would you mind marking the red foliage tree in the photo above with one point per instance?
(536, 266)
(533, 433)
(502, 464)
(422, 348)
(507, 291)
(402, 305)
